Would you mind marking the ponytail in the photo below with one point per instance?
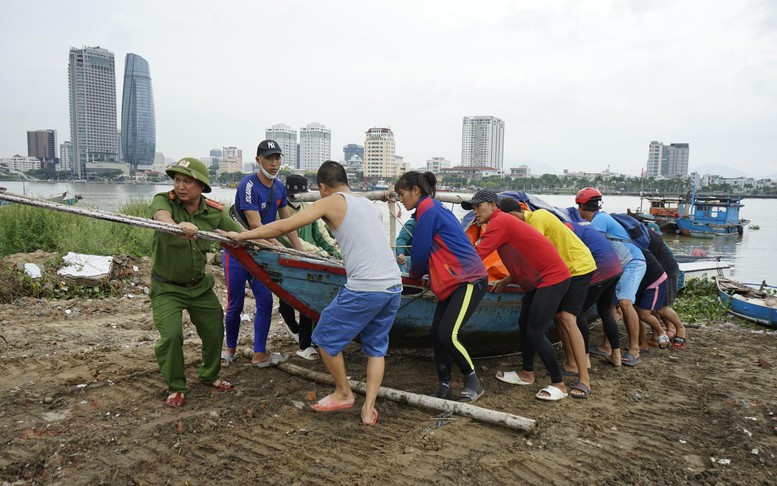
(426, 182)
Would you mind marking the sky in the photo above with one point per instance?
(581, 85)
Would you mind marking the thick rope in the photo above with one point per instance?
(154, 225)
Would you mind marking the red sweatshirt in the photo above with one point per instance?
(531, 259)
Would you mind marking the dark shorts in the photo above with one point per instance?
(671, 288)
(575, 297)
(368, 315)
(652, 298)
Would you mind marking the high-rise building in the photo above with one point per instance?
(435, 165)
(315, 146)
(66, 156)
(286, 137)
(668, 161)
(353, 149)
(138, 123)
(92, 94)
(482, 142)
(42, 144)
(379, 153)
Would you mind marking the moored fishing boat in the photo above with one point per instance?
(747, 302)
(711, 216)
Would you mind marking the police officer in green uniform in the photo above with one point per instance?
(178, 279)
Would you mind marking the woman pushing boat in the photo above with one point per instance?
(457, 277)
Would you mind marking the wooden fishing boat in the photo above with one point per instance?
(310, 284)
(712, 216)
(749, 303)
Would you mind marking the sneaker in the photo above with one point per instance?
(309, 354)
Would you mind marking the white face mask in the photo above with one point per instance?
(265, 173)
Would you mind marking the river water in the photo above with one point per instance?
(753, 256)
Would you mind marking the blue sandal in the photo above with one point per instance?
(630, 360)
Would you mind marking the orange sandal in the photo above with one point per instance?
(223, 385)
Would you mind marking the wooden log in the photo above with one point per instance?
(464, 409)
(446, 197)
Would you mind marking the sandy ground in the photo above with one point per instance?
(81, 403)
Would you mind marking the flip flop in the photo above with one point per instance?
(554, 394)
(309, 353)
(274, 360)
(227, 358)
(582, 387)
(630, 360)
(663, 342)
(469, 396)
(326, 404)
(176, 400)
(597, 352)
(678, 342)
(512, 378)
(374, 418)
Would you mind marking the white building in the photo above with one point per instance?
(520, 172)
(315, 146)
(380, 154)
(66, 156)
(21, 163)
(667, 161)
(286, 137)
(93, 126)
(435, 165)
(482, 142)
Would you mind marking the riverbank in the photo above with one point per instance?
(81, 402)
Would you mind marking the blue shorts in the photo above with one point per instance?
(653, 298)
(630, 280)
(368, 315)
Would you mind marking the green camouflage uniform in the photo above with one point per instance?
(179, 282)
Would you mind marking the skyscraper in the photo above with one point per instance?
(315, 146)
(482, 142)
(380, 154)
(287, 139)
(138, 123)
(42, 144)
(92, 94)
(667, 160)
(66, 156)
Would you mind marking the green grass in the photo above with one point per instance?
(24, 229)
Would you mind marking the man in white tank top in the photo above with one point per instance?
(367, 304)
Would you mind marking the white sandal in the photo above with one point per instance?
(309, 354)
(227, 358)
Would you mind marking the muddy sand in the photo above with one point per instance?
(81, 403)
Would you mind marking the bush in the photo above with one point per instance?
(24, 229)
(699, 301)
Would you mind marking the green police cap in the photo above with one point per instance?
(193, 168)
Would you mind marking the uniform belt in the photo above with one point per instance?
(159, 279)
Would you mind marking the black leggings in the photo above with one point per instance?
(603, 294)
(449, 316)
(304, 328)
(537, 310)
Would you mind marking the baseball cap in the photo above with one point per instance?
(296, 184)
(267, 148)
(483, 195)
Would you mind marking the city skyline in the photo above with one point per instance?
(138, 123)
(564, 76)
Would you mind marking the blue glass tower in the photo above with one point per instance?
(138, 124)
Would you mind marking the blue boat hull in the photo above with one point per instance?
(689, 227)
(748, 303)
(309, 285)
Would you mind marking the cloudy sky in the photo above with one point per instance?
(581, 85)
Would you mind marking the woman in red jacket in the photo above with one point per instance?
(536, 266)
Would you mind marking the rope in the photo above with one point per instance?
(155, 225)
